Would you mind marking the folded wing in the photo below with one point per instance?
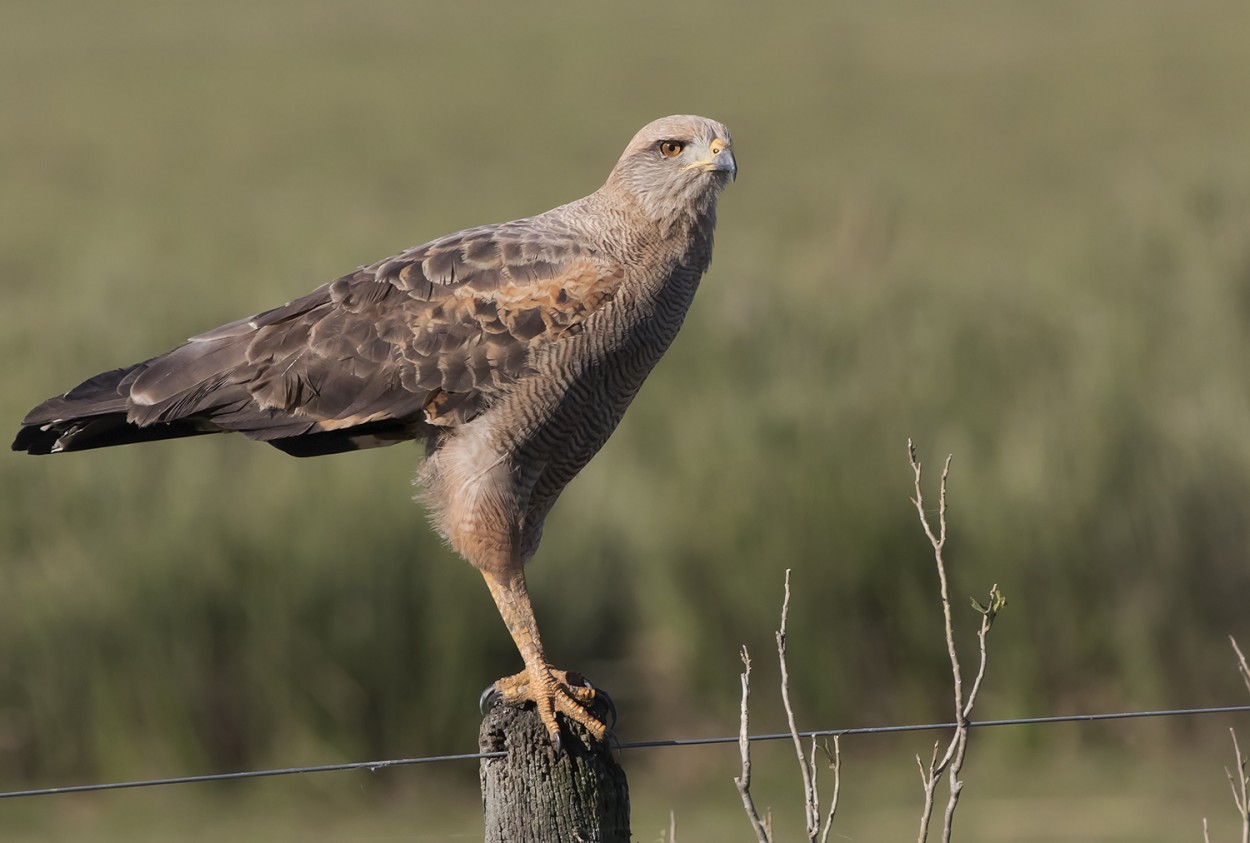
(425, 339)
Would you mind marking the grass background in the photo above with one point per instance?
(1015, 232)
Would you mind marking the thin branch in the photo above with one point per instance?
(1242, 667)
(933, 774)
(988, 613)
(835, 762)
(929, 778)
(744, 747)
(956, 750)
(1241, 783)
(807, 762)
(1239, 786)
(812, 798)
(811, 805)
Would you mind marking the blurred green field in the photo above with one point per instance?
(1015, 232)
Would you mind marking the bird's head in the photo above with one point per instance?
(676, 167)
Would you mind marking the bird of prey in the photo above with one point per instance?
(511, 350)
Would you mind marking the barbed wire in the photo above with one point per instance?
(374, 766)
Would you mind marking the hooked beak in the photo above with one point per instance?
(719, 159)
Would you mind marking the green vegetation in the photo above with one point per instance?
(1015, 232)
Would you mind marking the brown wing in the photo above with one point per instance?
(430, 336)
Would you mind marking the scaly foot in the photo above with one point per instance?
(549, 689)
(553, 691)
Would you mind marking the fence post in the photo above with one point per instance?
(534, 793)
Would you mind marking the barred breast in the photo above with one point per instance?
(500, 475)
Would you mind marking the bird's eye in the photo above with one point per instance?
(671, 149)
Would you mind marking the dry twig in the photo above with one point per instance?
(835, 763)
(1242, 667)
(953, 758)
(816, 831)
(743, 781)
(811, 806)
(1240, 784)
(807, 764)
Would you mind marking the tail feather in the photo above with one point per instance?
(97, 432)
(100, 412)
(93, 415)
(281, 377)
(94, 396)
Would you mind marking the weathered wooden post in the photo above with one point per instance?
(536, 793)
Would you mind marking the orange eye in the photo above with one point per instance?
(671, 149)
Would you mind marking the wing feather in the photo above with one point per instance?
(430, 336)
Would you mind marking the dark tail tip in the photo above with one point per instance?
(82, 418)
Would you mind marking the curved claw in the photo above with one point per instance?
(489, 699)
(609, 705)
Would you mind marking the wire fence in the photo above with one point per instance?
(374, 766)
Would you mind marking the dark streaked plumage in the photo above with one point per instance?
(513, 350)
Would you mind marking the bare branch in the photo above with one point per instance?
(956, 750)
(1239, 786)
(835, 762)
(1241, 783)
(988, 613)
(940, 539)
(812, 798)
(1242, 667)
(929, 778)
(811, 806)
(744, 747)
(807, 762)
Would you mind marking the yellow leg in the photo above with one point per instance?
(549, 689)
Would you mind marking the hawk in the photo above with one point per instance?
(511, 350)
